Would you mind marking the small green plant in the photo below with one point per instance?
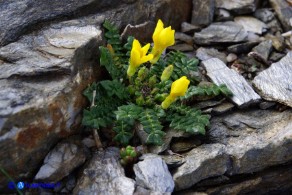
(128, 155)
(146, 88)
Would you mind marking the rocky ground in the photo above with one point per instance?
(49, 55)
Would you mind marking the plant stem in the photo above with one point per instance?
(95, 132)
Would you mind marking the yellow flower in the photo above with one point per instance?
(162, 38)
(178, 88)
(138, 57)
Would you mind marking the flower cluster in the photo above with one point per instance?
(162, 38)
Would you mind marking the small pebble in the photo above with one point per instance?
(231, 57)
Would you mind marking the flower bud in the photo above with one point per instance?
(152, 81)
(142, 73)
(140, 101)
(166, 73)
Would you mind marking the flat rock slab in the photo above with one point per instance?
(219, 73)
(203, 12)
(275, 83)
(202, 162)
(62, 160)
(241, 142)
(284, 12)
(251, 24)
(152, 173)
(104, 175)
(237, 6)
(221, 32)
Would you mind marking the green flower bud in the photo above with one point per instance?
(123, 153)
(166, 73)
(152, 81)
(131, 89)
(160, 97)
(142, 73)
(140, 101)
(133, 154)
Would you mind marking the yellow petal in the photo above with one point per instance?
(158, 29)
(145, 49)
(146, 58)
(166, 38)
(135, 58)
(136, 45)
(179, 87)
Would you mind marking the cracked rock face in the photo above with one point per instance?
(47, 61)
(241, 143)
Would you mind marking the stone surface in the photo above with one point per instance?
(284, 12)
(222, 15)
(251, 24)
(221, 32)
(242, 47)
(181, 47)
(42, 79)
(44, 73)
(62, 160)
(184, 38)
(222, 108)
(203, 12)
(152, 173)
(142, 32)
(206, 53)
(241, 142)
(187, 27)
(205, 161)
(264, 14)
(184, 144)
(104, 175)
(219, 73)
(275, 83)
(254, 139)
(237, 6)
(264, 49)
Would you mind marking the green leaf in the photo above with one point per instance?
(124, 131)
(128, 112)
(116, 88)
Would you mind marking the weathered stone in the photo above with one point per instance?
(264, 49)
(44, 73)
(205, 161)
(184, 38)
(207, 53)
(266, 105)
(104, 175)
(181, 47)
(242, 47)
(188, 28)
(277, 180)
(184, 144)
(264, 14)
(219, 73)
(42, 80)
(251, 24)
(203, 12)
(142, 32)
(221, 32)
(284, 12)
(275, 83)
(62, 160)
(275, 57)
(254, 139)
(222, 108)
(237, 6)
(172, 160)
(152, 173)
(222, 15)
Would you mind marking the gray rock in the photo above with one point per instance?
(219, 73)
(189, 28)
(254, 140)
(266, 105)
(275, 83)
(152, 173)
(104, 175)
(184, 144)
(251, 24)
(222, 15)
(181, 47)
(241, 48)
(61, 161)
(142, 32)
(184, 38)
(222, 108)
(264, 49)
(205, 161)
(275, 57)
(284, 12)
(264, 15)
(231, 57)
(203, 12)
(237, 6)
(27, 14)
(221, 32)
(44, 73)
(207, 53)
